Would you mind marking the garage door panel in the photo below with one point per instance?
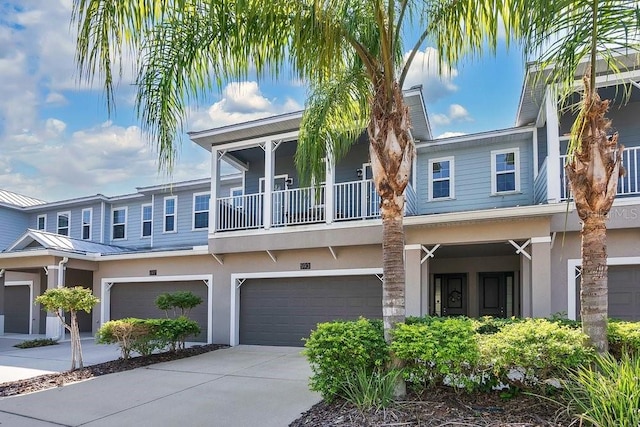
(283, 311)
(138, 300)
(624, 292)
(16, 309)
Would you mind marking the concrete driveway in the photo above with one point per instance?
(239, 386)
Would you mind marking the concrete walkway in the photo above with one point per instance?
(239, 386)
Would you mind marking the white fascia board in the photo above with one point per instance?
(488, 214)
(197, 250)
(81, 200)
(474, 136)
(376, 222)
(45, 252)
(245, 125)
(175, 185)
(257, 141)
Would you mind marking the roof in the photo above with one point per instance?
(11, 198)
(37, 240)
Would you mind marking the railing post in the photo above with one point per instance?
(269, 164)
(329, 191)
(215, 185)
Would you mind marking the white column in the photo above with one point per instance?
(330, 181)
(215, 189)
(525, 285)
(553, 146)
(269, 166)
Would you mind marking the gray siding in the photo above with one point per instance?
(472, 176)
(184, 234)
(12, 225)
(542, 145)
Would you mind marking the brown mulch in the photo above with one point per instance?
(46, 381)
(441, 407)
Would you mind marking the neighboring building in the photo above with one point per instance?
(488, 231)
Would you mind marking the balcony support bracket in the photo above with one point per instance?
(272, 256)
(333, 252)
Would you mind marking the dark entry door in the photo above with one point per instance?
(453, 294)
(496, 294)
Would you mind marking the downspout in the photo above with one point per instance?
(2, 272)
(61, 267)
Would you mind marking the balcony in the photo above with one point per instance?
(355, 200)
(628, 185)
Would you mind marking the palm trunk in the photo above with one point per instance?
(593, 291)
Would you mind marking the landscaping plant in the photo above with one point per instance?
(370, 390)
(74, 299)
(182, 301)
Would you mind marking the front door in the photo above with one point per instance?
(496, 294)
(451, 294)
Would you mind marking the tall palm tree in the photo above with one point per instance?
(350, 52)
(572, 37)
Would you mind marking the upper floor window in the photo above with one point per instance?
(119, 224)
(237, 200)
(86, 223)
(505, 171)
(64, 223)
(41, 222)
(170, 209)
(441, 178)
(201, 210)
(147, 220)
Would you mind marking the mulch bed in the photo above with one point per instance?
(46, 381)
(441, 407)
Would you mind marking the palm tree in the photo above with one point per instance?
(572, 37)
(350, 52)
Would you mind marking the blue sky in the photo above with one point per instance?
(57, 141)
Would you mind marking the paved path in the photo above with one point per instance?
(239, 386)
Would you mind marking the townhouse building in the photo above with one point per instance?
(489, 230)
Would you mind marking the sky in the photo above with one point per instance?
(57, 140)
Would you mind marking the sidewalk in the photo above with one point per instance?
(239, 386)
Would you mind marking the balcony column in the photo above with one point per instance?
(553, 146)
(329, 191)
(269, 168)
(413, 280)
(215, 189)
(541, 276)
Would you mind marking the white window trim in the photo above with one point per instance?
(516, 159)
(113, 224)
(68, 227)
(231, 190)
(193, 213)
(174, 214)
(43, 216)
(142, 220)
(451, 178)
(90, 224)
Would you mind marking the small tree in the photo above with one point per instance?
(183, 300)
(71, 300)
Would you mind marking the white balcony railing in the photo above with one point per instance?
(629, 184)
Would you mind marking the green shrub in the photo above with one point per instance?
(174, 332)
(442, 348)
(336, 350)
(607, 394)
(624, 338)
(368, 390)
(490, 325)
(38, 342)
(532, 351)
(182, 300)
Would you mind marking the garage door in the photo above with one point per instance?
(138, 300)
(283, 311)
(16, 309)
(624, 292)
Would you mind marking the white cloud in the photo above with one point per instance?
(241, 102)
(456, 114)
(450, 135)
(55, 98)
(436, 82)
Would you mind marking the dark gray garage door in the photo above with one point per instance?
(283, 311)
(138, 300)
(16, 309)
(624, 292)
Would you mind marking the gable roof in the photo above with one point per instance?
(37, 240)
(15, 199)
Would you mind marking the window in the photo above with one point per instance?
(441, 178)
(505, 171)
(147, 220)
(86, 223)
(64, 223)
(41, 222)
(170, 209)
(119, 224)
(237, 200)
(201, 210)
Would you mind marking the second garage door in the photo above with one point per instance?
(283, 311)
(624, 292)
(138, 300)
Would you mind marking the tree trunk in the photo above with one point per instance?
(76, 349)
(593, 170)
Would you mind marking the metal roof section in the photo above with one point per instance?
(15, 199)
(38, 240)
